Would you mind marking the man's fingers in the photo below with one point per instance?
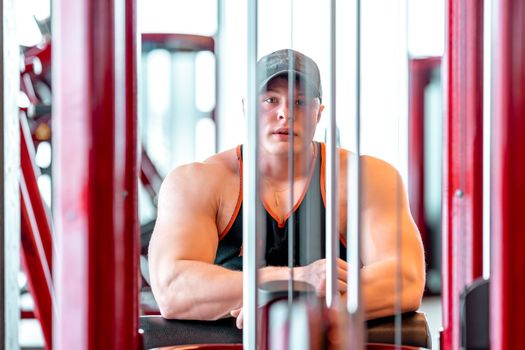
(235, 312)
(342, 264)
(239, 321)
(341, 286)
(342, 275)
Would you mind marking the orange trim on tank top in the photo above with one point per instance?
(239, 199)
(322, 180)
(281, 223)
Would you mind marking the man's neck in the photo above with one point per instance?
(275, 168)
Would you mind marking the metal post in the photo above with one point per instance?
(332, 236)
(487, 116)
(251, 219)
(353, 230)
(95, 174)
(9, 173)
(462, 154)
(507, 279)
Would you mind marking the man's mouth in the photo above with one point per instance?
(282, 131)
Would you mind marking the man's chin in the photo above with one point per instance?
(282, 148)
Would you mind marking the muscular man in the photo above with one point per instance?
(195, 252)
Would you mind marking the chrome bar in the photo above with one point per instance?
(251, 221)
(353, 247)
(291, 174)
(487, 135)
(355, 329)
(401, 125)
(9, 177)
(331, 176)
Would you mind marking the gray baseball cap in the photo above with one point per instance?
(290, 63)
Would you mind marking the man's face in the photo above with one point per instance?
(275, 115)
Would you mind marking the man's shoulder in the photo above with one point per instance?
(214, 169)
(370, 162)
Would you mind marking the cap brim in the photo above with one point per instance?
(300, 75)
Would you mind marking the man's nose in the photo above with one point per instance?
(283, 112)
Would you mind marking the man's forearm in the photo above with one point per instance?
(198, 290)
(385, 291)
(203, 291)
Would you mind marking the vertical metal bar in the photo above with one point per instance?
(9, 170)
(127, 170)
(354, 179)
(218, 75)
(291, 172)
(353, 248)
(332, 237)
(402, 124)
(96, 174)
(420, 75)
(487, 115)
(462, 160)
(507, 279)
(70, 102)
(291, 165)
(251, 219)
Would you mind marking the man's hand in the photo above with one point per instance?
(238, 314)
(315, 275)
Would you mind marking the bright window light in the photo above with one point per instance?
(27, 31)
(426, 28)
(41, 9)
(204, 139)
(158, 90)
(177, 16)
(205, 81)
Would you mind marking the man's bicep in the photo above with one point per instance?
(388, 224)
(185, 228)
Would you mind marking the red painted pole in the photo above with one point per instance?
(95, 174)
(463, 153)
(420, 72)
(507, 305)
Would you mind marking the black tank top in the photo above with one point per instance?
(308, 220)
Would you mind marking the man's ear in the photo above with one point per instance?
(321, 108)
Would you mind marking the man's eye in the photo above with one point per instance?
(300, 102)
(270, 100)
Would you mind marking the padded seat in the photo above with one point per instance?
(160, 332)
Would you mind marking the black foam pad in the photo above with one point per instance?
(159, 331)
(414, 330)
(162, 332)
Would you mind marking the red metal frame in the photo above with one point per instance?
(463, 152)
(96, 174)
(420, 71)
(149, 176)
(39, 276)
(179, 42)
(36, 235)
(507, 305)
(30, 174)
(43, 53)
(368, 346)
